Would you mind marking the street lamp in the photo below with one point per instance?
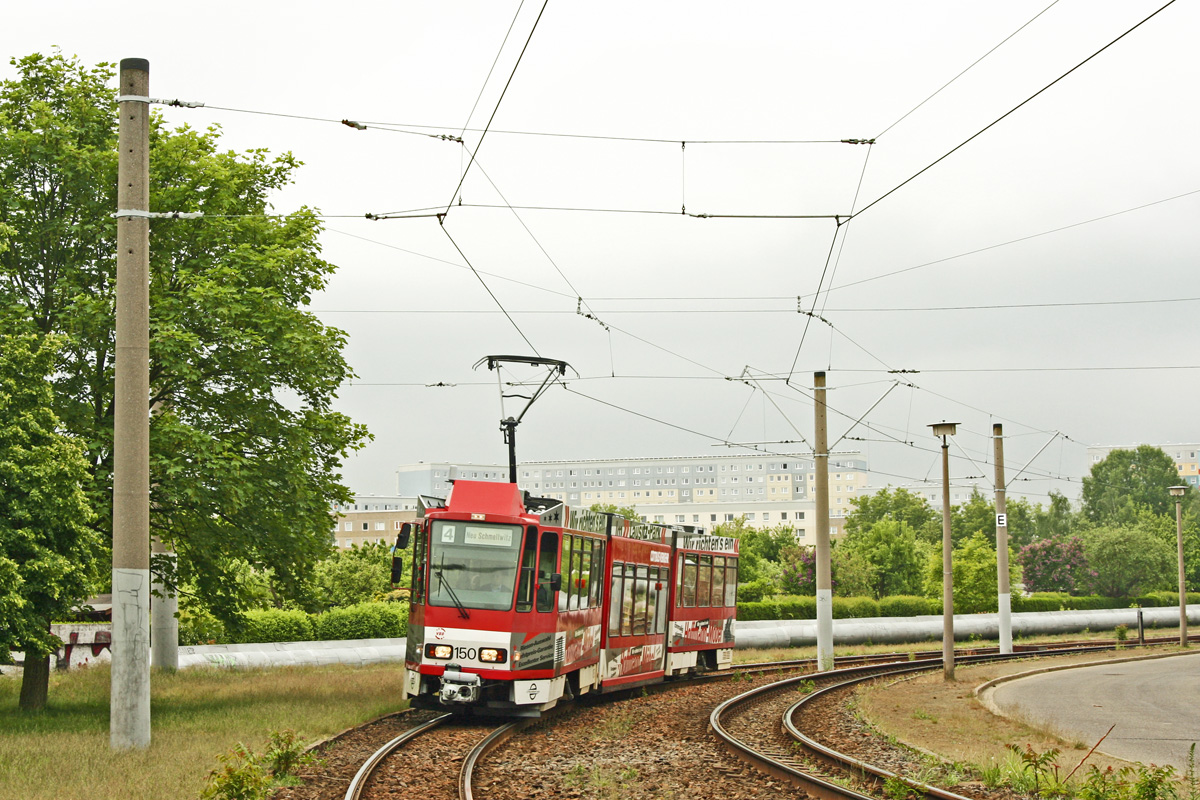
(945, 429)
(1177, 492)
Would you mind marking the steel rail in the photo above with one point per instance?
(776, 763)
(838, 760)
(485, 746)
(359, 782)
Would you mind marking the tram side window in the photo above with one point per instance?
(661, 617)
(731, 579)
(628, 589)
(689, 580)
(641, 602)
(596, 584)
(582, 571)
(547, 565)
(704, 581)
(527, 584)
(564, 595)
(614, 609)
(718, 581)
(418, 572)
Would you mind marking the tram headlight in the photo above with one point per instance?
(442, 651)
(492, 655)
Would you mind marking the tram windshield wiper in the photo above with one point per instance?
(462, 610)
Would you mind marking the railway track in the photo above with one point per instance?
(438, 758)
(433, 765)
(761, 728)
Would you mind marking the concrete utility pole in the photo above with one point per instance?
(824, 573)
(1004, 595)
(129, 726)
(945, 429)
(1177, 492)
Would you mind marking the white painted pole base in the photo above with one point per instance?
(164, 627)
(1005, 604)
(824, 630)
(129, 725)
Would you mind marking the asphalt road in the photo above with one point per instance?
(1155, 705)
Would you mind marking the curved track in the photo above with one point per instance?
(442, 736)
(749, 727)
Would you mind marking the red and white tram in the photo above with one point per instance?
(519, 601)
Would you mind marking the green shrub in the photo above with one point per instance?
(200, 627)
(241, 776)
(1042, 601)
(363, 621)
(797, 607)
(1163, 599)
(854, 608)
(275, 625)
(758, 610)
(755, 590)
(904, 605)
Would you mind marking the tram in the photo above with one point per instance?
(518, 602)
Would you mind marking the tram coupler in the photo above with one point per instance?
(459, 686)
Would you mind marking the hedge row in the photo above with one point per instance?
(362, 621)
(908, 606)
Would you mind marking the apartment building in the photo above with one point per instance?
(765, 489)
(371, 518)
(434, 478)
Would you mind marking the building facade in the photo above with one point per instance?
(371, 518)
(766, 490)
(433, 479)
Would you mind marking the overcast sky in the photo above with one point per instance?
(1042, 276)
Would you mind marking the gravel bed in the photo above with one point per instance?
(832, 721)
(657, 746)
(428, 767)
(341, 756)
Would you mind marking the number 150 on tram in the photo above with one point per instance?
(518, 602)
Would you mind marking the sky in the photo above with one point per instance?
(1013, 248)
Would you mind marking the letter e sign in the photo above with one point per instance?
(1002, 520)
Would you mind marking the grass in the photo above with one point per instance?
(196, 715)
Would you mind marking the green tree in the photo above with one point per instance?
(895, 557)
(1127, 480)
(357, 575)
(852, 573)
(977, 514)
(1057, 519)
(629, 512)
(1129, 560)
(899, 505)
(758, 552)
(48, 553)
(974, 574)
(238, 473)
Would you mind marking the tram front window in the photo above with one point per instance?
(473, 564)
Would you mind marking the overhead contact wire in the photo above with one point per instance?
(1009, 113)
(507, 83)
